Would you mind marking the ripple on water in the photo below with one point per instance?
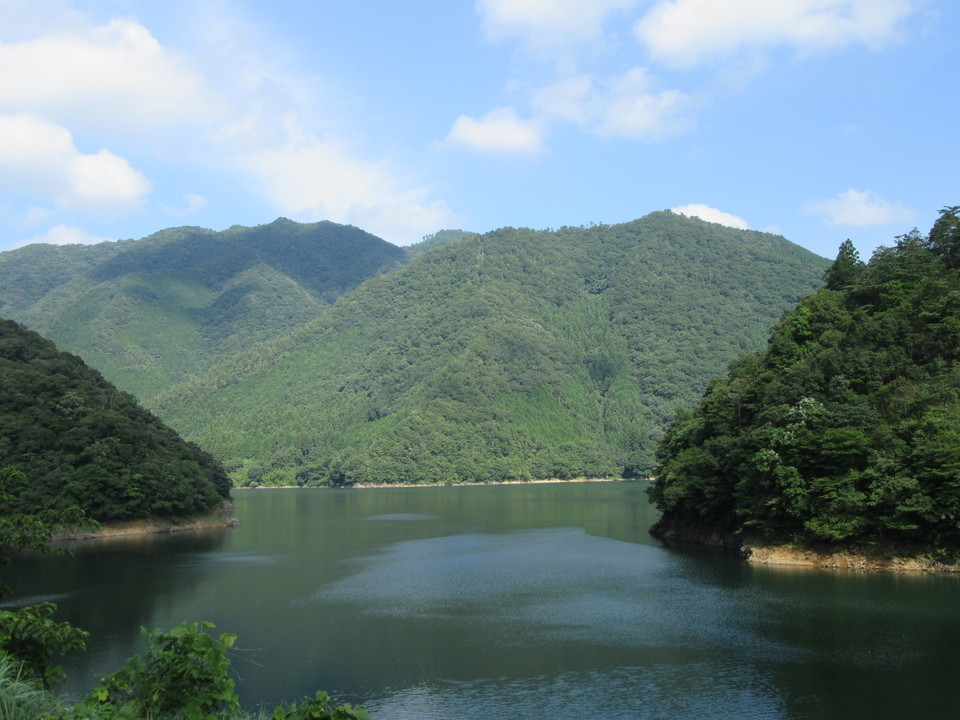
(552, 584)
(651, 692)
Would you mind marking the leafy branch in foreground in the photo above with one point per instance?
(184, 673)
(32, 637)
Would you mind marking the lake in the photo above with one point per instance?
(519, 601)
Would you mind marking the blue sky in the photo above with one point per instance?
(817, 119)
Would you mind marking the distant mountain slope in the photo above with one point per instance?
(79, 440)
(846, 429)
(514, 354)
(441, 237)
(152, 312)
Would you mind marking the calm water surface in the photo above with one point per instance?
(531, 601)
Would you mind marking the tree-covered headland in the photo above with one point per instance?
(846, 429)
(77, 441)
(83, 449)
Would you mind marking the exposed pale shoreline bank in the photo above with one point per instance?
(756, 552)
(788, 556)
(366, 486)
(221, 517)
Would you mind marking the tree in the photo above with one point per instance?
(845, 268)
(945, 236)
(185, 673)
(847, 430)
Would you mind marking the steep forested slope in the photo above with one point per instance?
(847, 428)
(152, 312)
(441, 237)
(80, 441)
(514, 354)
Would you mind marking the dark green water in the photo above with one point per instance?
(537, 601)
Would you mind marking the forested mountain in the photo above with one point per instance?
(149, 313)
(80, 441)
(846, 430)
(513, 354)
(442, 237)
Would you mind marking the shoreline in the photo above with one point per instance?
(789, 556)
(377, 486)
(219, 518)
(754, 551)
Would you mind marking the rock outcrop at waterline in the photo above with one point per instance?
(693, 533)
(757, 552)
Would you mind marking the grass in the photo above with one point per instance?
(22, 698)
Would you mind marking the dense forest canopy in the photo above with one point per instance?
(515, 354)
(78, 441)
(847, 428)
(152, 312)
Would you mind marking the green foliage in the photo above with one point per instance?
(512, 355)
(80, 442)
(846, 430)
(945, 236)
(441, 237)
(184, 673)
(33, 638)
(319, 708)
(516, 354)
(22, 697)
(844, 269)
(30, 530)
(152, 312)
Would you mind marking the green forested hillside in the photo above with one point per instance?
(80, 441)
(152, 312)
(514, 354)
(847, 428)
(441, 237)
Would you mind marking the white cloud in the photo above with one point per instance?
(34, 155)
(192, 203)
(40, 157)
(628, 106)
(567, 99)
(404, 220)
(62, 235)
(116, 76)
(686, 32)
(228, 102)
(859, 209)
(705, 212)
(635, 110)
(548, 24)
(499, 131)
(312, 180)
(103, 183)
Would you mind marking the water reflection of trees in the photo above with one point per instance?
(110, 587)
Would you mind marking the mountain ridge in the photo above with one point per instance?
(515, 352)
(151, 312)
